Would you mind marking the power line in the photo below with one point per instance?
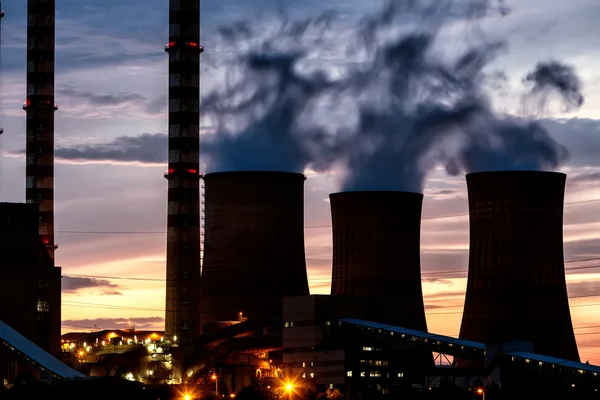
(306, 227)
(72, 303)
(321, 280)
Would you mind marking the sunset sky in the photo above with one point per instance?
(111, 82)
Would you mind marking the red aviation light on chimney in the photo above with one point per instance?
(169, 173)
(193, 171)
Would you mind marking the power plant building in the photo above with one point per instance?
(516, 288)
(30, 288)
(254, 244)
(376, 253)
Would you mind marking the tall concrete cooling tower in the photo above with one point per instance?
(254, 244)
(516, 286)
(376, 239)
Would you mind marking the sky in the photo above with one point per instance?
(111, 88)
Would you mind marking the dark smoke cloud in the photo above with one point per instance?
(261, 115)
(404, 106)
(554, 77)
(380, 97)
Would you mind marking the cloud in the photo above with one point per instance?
(111, 293)
(147, 148)
(140, 323)
(72, 284)
(585, 178)
(438, 281)
(96, 104)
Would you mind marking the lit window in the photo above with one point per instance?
(303, 364)
(328, 323)
(312, 374)
(367, 349)
(362, 374)
(291, 324)
(312, 363)
(43, 306)
(286, 324)
(349, 373)
(304, 375)
(400, 374)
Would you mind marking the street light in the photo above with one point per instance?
(481, 392)
(214, 378)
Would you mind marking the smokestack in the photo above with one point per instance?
(182, 316)
(516, 286)
(40, 109)
(376, 254)
(254, 244)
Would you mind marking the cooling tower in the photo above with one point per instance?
(376, 238)
(254, 244)
(516, 286)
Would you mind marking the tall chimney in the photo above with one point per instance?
(376, 254)
(40, 109)
(516, 287)
(182, 316)
(254, 244)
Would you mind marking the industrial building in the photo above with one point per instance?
(516, 286)
(253, 245)
(314, 352)
(30, 285)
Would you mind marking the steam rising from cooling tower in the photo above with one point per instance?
(390, 105)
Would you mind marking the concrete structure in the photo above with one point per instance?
(516, 286)
(254, 244)
(376, 240)
(521, 374)
(40, 109)
(315, 351)
(30, 288)
(182, 317)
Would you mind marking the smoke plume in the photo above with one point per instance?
(260, 116)
(390, 106)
